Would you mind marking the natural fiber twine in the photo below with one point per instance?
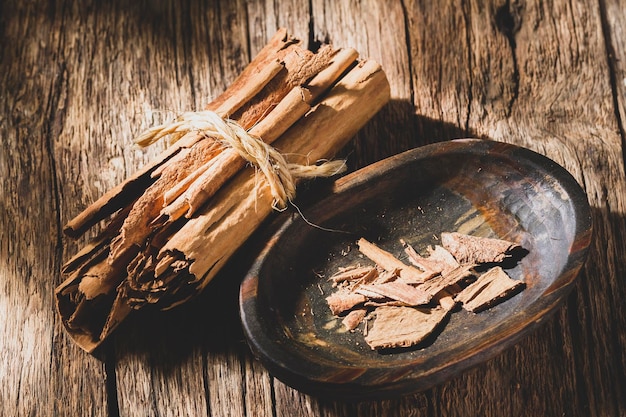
(280, 174)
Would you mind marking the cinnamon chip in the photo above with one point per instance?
(476, 250)
(354, 318)
(438, 259)
(343, 301)
(403, 326)
(491, 287)
(411, 296)
(388, 262)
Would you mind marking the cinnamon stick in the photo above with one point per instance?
(490, 288)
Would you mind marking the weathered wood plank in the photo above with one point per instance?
(159, 369)
(574, 66)
(36, 358)
(533, 70)
(157, 374)
(615, 38)
(80, 79)
(377, 31)
(614, 24)
(265, 16)
(438, 38)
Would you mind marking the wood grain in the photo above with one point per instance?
(79, 79)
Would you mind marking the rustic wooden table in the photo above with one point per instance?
(79, 78)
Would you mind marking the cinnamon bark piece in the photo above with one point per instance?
(351, 274)
(371, 303)
(440, 282)
(411, 296)
(387, 276)
(395, 327)
(370, 295)
(477, 250)
(325, 79)
(438, 259)
(352, 320)
(369, 277)
(445, 298)
(343, 300)
(389, 262)
(489, 289)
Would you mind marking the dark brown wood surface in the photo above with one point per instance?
(78, 79)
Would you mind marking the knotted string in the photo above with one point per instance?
(279, 173)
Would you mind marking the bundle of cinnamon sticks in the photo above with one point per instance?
(173, 225)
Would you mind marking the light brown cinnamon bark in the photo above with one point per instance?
(438, 259)
(146, 256)
(403, 326)
(489, 289)
(389, 262)
(477, 250)
(351, 274)
(398, 291)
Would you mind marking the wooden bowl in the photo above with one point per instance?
(478, 187)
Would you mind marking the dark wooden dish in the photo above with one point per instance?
(479, 187)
